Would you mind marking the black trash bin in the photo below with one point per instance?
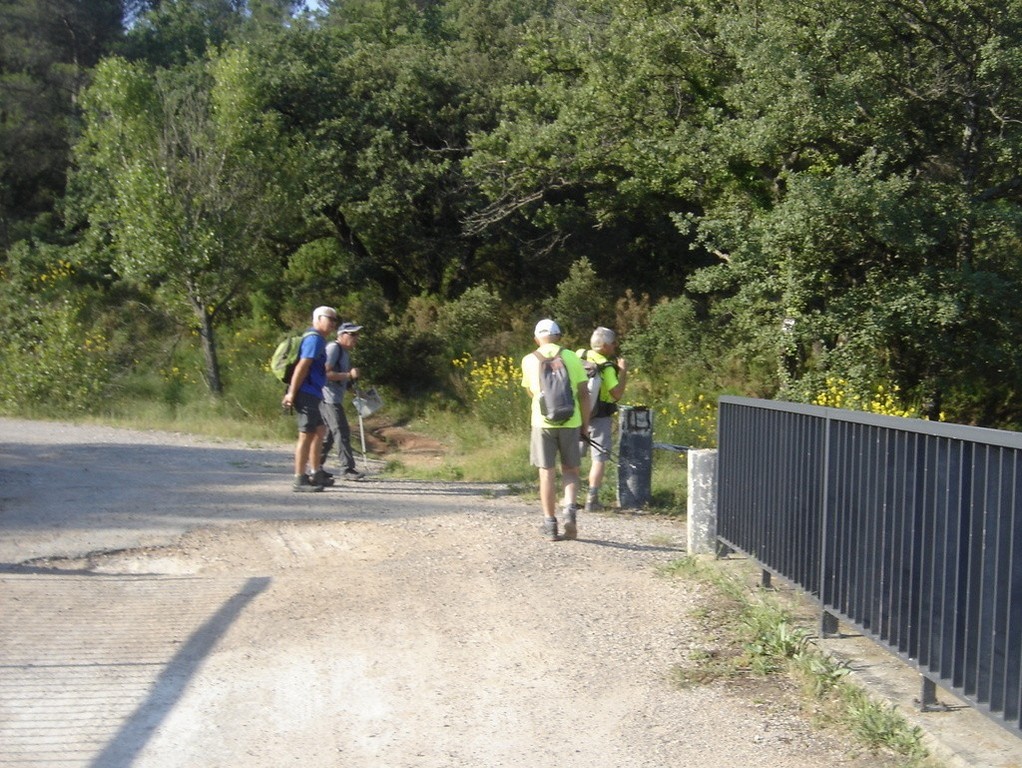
(635, 457)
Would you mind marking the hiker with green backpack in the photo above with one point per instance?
(607, 377)
(305, 381)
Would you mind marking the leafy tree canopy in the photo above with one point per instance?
(185, 176)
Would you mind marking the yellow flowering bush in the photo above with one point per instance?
(492, 388)
(883, 400)
(52, 357)
(56, 275)
(690, 421)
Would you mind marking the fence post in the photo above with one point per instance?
(702, 502)
(828, 624)
(928, 701)
(635, 456)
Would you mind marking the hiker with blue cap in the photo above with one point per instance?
(340, 377)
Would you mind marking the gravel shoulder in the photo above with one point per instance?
(166, 601)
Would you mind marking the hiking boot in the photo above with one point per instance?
(321, 479)
(570, 528)
(550, 529)
(593, 503)
(352, 474)
(302, 484)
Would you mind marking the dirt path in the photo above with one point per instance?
(224, 621)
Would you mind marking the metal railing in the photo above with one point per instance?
(909, 530)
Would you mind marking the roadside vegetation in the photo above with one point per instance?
(816, 203)
(749, 634)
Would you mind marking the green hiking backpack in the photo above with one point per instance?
(285, 356)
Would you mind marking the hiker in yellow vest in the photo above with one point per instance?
(613, 373)
(552, 438)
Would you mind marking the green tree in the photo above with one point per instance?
(872, 192)
(171, 33)
(600, 144)
(46, 50)
(182, 177)
(382, 121)
(386, 95)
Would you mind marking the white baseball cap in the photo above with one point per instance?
(547, 328)
(329, 312)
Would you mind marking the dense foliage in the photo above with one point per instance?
(763, 198)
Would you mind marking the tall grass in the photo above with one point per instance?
(484, 430)
(170, 401)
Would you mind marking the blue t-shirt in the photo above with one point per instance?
(314, 347)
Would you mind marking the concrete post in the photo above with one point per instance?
(702, 502)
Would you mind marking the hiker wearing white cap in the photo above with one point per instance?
(549, 374)
(304, 394)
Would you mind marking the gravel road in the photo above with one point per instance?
(166, 601)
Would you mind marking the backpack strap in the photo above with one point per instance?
(541, 357)
(301, 341)
(583, 354)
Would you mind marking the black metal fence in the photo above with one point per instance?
(909, 530)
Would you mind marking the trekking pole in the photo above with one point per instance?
(362, 439)
(361, 427)
(599, 447)
(613, 459)
(366, 405)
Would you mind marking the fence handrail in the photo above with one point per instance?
(910, 530)
(997, 437)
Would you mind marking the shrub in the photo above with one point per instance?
(50, 356)
(472, 317)
(579, 305)
(687, 420)
(52, 360)
(492, 388)
(876, 398)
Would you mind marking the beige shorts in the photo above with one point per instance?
(547, 443)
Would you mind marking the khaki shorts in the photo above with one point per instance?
(600, 433)
(547, 443)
